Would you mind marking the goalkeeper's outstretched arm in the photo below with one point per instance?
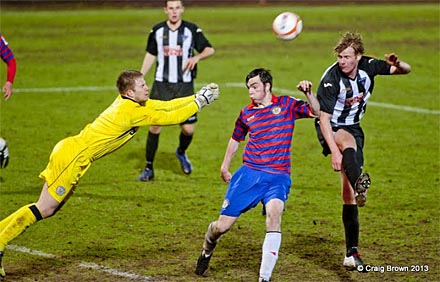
(178, 110)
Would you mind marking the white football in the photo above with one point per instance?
(287, 26)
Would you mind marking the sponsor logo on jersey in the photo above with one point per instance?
(327, 85)
(250, 118)
(168, 51)
(353, 100)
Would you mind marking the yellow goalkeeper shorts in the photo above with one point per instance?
(67, 164)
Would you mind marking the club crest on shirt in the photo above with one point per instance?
(60, 190)
(276, 110)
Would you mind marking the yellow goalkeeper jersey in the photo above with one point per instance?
(118, 123)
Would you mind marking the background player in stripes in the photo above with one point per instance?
(343, 94)
(11, 68)
(173, 44)
(269, 122)
(118, 124)
(8, 57)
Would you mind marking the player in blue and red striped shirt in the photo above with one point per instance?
(8, 57)
(268, 121)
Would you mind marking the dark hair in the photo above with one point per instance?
(264, 75)
(166, 1)
(126, 80)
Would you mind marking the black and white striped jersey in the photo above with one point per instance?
(172, 48)
(344, 98)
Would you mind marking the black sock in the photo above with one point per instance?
(184, 141)
(350, 219)
(149, 165)
(152, 144)
(351, 167)
(36, 212)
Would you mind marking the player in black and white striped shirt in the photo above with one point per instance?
(173, 45)
(343, 94)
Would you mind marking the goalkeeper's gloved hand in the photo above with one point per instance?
(215, 90)
(4, 157)
(207, 95)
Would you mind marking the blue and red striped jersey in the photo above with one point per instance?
(5, 53)
(270, 131)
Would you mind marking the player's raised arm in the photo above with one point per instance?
(397, 66)
(305, 86)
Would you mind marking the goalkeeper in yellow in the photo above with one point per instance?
(72, 156)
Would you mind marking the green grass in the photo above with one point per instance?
(156, 229)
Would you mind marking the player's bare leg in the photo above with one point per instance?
(46, 204)
(215, 230)
(361, 189)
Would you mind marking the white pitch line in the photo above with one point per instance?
(227, 84)
(64, 89)
(115, 272)
(30, 251)
(404, 108)
(89, 265)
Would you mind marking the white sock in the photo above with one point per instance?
(271, 246)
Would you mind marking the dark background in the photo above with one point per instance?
(37, 3)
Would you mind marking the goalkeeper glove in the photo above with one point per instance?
(214, 89)
(207, 95)
(4, 157)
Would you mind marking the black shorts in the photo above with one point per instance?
(354, 130)
(166, 91)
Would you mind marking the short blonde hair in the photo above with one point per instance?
(127, 80)
(350, 39)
